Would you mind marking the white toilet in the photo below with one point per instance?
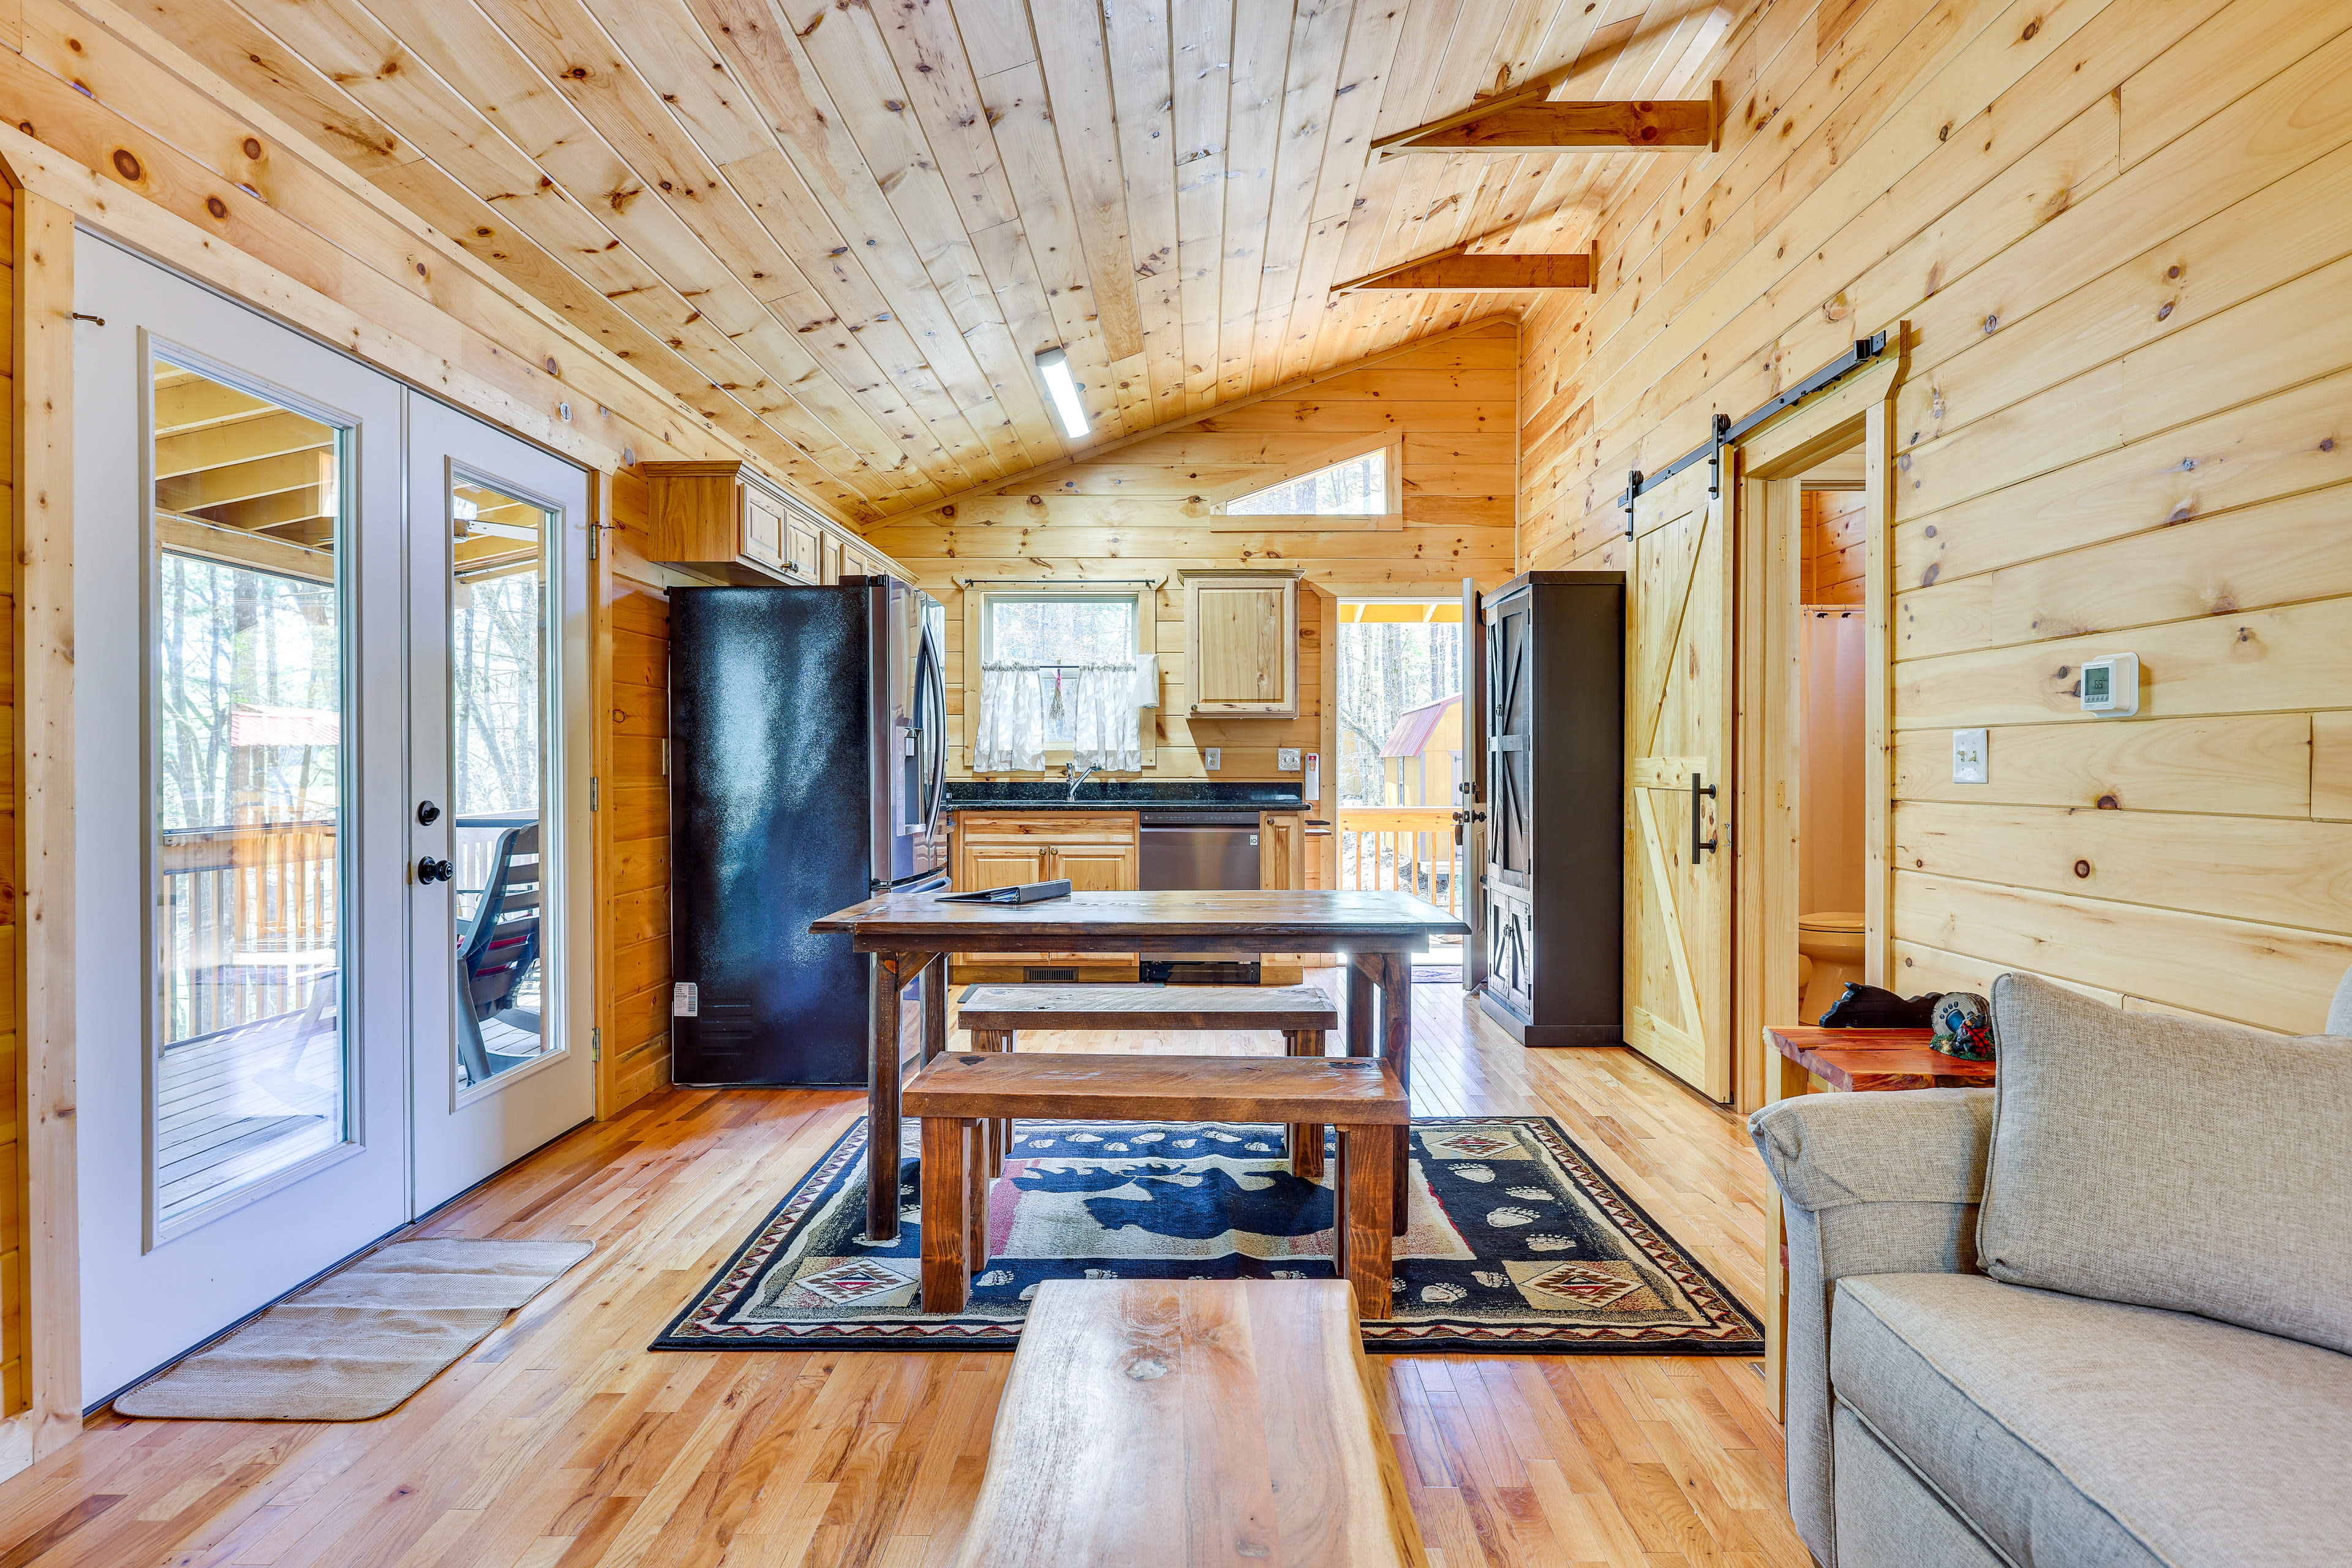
(1829, 954)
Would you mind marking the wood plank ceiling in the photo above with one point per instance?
(841, 229)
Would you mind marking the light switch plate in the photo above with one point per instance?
(1286, 759)
(1969, 765)
(1212, 758)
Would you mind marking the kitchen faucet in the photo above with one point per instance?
(1070, 771)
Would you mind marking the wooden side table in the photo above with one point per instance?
(1856, 1061)
(1861, 1060)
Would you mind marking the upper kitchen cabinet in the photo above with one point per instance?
(722, 520)
(1240, 632)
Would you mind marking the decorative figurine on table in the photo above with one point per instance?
(1963, 1024)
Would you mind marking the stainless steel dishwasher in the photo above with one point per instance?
(1205, 849)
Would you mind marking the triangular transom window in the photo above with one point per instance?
(1357, 486)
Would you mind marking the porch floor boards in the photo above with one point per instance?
(561, 1441)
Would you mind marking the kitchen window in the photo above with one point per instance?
(1070, 638)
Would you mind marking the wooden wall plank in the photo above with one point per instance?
(2122, 429)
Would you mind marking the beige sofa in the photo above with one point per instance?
(2098, 1316)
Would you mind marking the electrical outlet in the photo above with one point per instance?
(1212, 758)
(1286, 759)
(1968, 756)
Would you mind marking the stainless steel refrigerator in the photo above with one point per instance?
(808, 769)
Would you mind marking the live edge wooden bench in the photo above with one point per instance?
(1154, 1423)
(996, 1013)
(960, 1092)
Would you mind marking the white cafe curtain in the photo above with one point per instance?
(1012, 732)
(1098, 704)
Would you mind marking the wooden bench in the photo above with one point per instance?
(960, 1092)
(996, 1013)
(1159, 1423)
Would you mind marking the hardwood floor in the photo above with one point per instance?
(561, 1442)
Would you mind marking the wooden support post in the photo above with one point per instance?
(935, 1008)
(999, 1136)
(947, 1188)
(1304, 1140)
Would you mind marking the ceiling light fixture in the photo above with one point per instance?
(1054, 365)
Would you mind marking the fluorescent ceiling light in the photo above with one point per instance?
(1054, 367)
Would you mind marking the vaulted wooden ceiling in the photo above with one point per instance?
(841, 229)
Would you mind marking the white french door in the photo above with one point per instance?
(497, 647)
(267, 995)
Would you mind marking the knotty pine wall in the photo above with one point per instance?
(634, 935)
(15, 1199)
(2122, 233)
(1833, 543)
(1133, 512)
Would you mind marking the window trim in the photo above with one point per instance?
(1390, 520)
(976, 621)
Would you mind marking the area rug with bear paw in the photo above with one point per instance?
(1514, 1242)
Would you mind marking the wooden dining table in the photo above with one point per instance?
(910, 933)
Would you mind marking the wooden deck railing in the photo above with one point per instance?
(1408, 848)
(249, 919)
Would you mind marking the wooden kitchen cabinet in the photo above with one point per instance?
(1282, 849)
(1096, 850)
(1241, 634)
(721, 520)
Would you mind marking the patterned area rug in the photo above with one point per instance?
(1516, 1243)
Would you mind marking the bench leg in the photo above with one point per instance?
(1304, 1140)
(976, 1194)
(947, 1271)
(1365, 1254)
(1000, 1129)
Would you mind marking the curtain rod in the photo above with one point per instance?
(1061, 583)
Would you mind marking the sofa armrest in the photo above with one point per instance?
(1870, 1184)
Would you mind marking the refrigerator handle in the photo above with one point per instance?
(931, 675)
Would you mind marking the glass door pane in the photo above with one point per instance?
(248, 686)
(498, 722)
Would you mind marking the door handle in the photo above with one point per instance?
(1697, 846)
(429, 871)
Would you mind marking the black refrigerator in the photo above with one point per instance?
(808, 764)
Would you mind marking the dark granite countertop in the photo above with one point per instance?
(1117, 794)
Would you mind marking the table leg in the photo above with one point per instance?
(997, 1134)
(1305, 1139)
(1360, 1039)
(1366, 1258)
(891, 973)
(947, 1272)
(1393, 973)
(935, 1008)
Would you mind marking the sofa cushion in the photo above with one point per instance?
(2171, 1161)
(2083, 1434)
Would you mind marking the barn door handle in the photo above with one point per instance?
(1697, 844)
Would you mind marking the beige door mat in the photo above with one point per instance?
(360, 1341)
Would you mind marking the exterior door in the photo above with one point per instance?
(1470, 792)
(241, 867)
(1678, 749)
(497, 819)
(1507, 882)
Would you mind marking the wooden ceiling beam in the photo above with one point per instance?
(1527, 124)
(1456, 270)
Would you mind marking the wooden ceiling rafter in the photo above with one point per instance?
(1459, 269)
(1535, 125)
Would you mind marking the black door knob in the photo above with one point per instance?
(427, 815)
(429, 870)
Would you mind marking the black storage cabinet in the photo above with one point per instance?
(1554, 878)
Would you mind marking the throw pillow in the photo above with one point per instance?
(2170, 1162)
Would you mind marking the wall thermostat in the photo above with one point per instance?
(2111, 684)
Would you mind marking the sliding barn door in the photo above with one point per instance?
(1678, 749)
(1507, 884)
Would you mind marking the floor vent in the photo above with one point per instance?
(1183, 972)
(1042, 973)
